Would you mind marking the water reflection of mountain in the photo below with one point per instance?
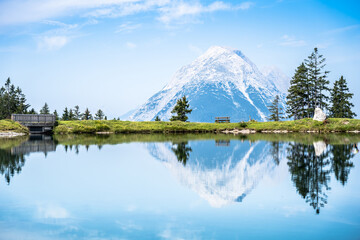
(13, 152)
(223, 175)
(219, 175)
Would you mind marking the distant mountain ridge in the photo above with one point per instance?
(221, 82)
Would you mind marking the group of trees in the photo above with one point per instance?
(309, 89)
(70, 114)
(12, 100)
(75, 114)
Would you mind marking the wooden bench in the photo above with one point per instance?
(222, 119)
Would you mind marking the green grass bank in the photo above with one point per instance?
(116, 126)
(7, 125)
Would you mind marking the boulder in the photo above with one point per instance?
(319, 115)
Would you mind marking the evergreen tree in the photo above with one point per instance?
(87, 115)
(181, 109)
(99, 115)
(77, 113)
(317, 77)
(297, 98)
(65, 116)
(340, 100)
(71, 115)
(45, 109)
(275, 110)
(12, 100)
(32, 111)
(157, 119)
(56, 115)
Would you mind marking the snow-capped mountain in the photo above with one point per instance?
(220, 175)
(221, 82)
(281, 81)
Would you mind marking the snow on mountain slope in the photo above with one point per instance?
(221, 82)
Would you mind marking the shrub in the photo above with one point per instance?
(243, 124)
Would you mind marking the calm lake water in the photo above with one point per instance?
(180, 187)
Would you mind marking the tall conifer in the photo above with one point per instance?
(299, 94)
(318, 82)
(340, 100)
(275, 110)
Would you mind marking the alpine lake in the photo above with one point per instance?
(180, 186)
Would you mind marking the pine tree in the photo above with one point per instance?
(71, 115)
(12, 100)
(157, 119)
(87, 115)
(99, 115)
(181, 109)
(65, 116)
(32, 111)
(77, 113)
(45, 109)
(275, 110)
(56, 115)
(317, 77)
(340, 100)
(298, 101)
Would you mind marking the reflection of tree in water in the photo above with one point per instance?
(10, 164)
(275, 151)
(341, 163)
(311, 173)
(182, 151)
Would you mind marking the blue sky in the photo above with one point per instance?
(115, 54)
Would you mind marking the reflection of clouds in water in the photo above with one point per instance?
(128, 226)
(131, 208)
(52, 212)
(290, 211)
(173, 231)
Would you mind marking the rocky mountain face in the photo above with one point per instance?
(221, 82)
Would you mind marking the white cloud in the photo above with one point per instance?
(291, 41)
(130, 45)
(52, 42)
(127, 27)
(179, 9)
(24, 11)
(342, 29)
(245, 5)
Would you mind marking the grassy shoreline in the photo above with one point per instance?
(117, 126)
(9, 126)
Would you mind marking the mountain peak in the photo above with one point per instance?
(219, 50)
(220, 82)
